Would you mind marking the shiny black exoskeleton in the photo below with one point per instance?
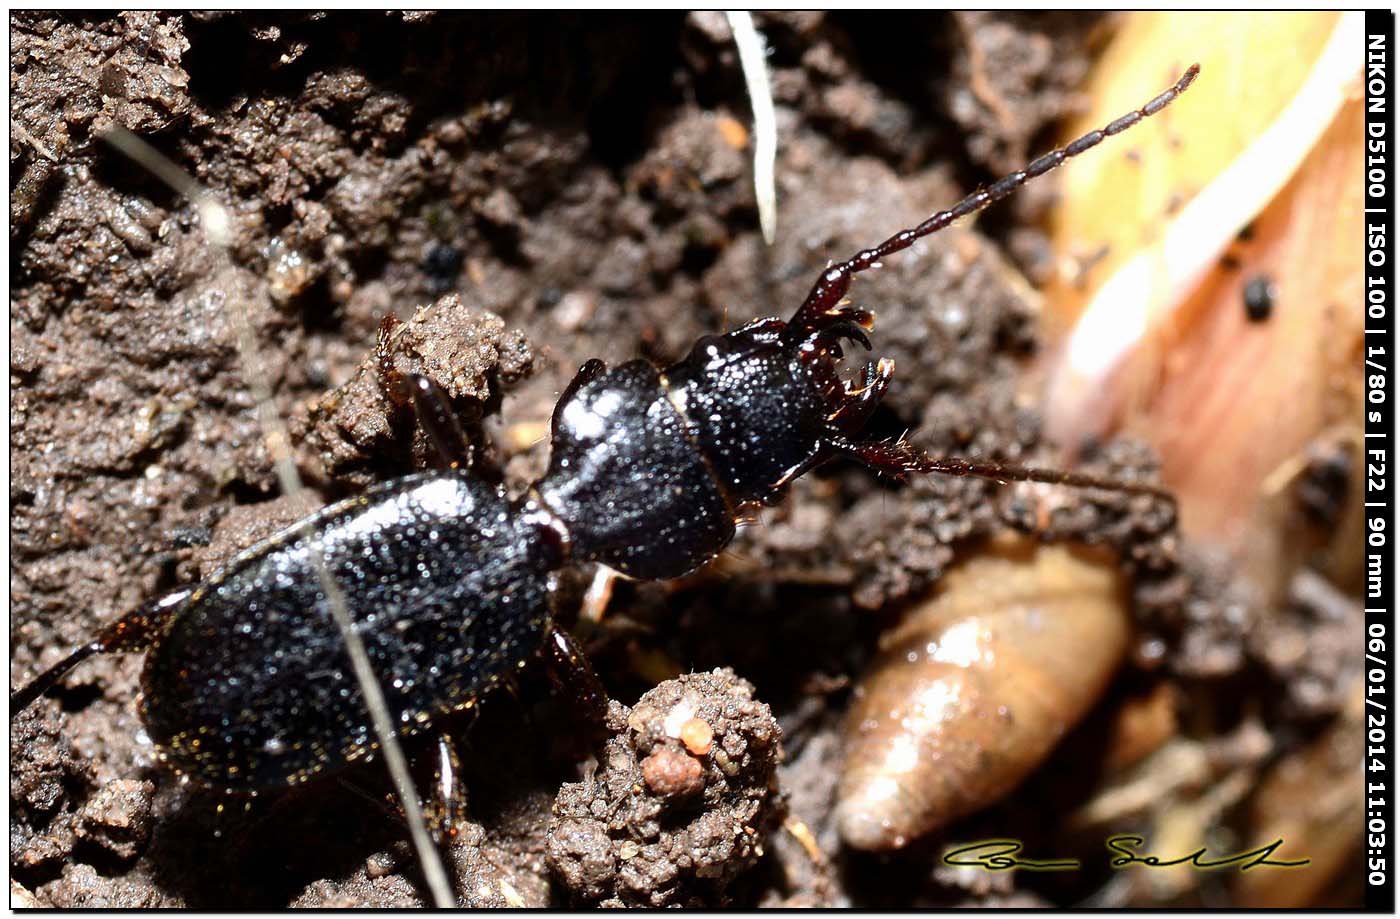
(247, 683)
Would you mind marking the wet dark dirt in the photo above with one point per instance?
(556, 188)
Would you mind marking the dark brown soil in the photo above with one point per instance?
(578, 187)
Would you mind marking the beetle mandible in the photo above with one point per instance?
(247, 685)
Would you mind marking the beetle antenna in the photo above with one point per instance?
(831, 287)
(899, 459)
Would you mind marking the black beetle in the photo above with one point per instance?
(247, 684)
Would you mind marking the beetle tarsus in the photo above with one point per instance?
(446, 808)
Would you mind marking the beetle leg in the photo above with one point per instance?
(447, 808)
(135, 631)
(595, 599)
(434, 412)
(431, 406)
(573, 678)
(590, 369)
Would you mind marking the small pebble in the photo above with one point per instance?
(734, 133)
(697, 736)
(379, 865)
(1259, 296)
(670, 773)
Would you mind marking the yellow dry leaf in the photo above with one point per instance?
(1117, 201)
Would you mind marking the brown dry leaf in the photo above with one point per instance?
(1235, 401)
(1116, 202)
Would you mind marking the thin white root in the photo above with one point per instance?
(753, 59)
(217, 226)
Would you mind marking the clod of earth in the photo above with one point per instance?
(657, 826)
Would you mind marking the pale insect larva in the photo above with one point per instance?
(976, 686)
